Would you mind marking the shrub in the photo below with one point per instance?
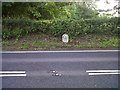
(16, 28)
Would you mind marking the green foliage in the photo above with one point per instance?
(48, 10)
(35, 10)
(16, 28)
(80, 10)
(112, 41)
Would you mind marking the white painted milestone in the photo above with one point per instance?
(65, 38)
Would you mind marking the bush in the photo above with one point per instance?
(16, 28)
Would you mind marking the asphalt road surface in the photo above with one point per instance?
(60, 69)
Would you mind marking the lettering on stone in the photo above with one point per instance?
(65, 38)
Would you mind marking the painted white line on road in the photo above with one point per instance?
(13, 75)
(12, 71)
(60, 51)
(90, 71)
(102, 73)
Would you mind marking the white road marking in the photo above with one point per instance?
(12, 71)
(102, 73)
(13, 75)
(93, 71)
(60, 51)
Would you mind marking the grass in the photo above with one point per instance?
(5, 42)
(43, 42)
(101, 43)
(23, 47)
(39, 43)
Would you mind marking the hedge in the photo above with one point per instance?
(16, 28)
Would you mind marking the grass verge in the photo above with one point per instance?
(44, 42)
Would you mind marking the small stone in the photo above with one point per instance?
(53, 71)
(57, 74)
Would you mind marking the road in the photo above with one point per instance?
(60, 69)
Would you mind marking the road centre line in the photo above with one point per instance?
(94, 71)
(12, 72)
(102, 73)
(13, 75)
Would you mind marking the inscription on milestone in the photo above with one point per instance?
(65, 38)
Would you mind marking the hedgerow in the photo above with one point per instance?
(16, 28)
